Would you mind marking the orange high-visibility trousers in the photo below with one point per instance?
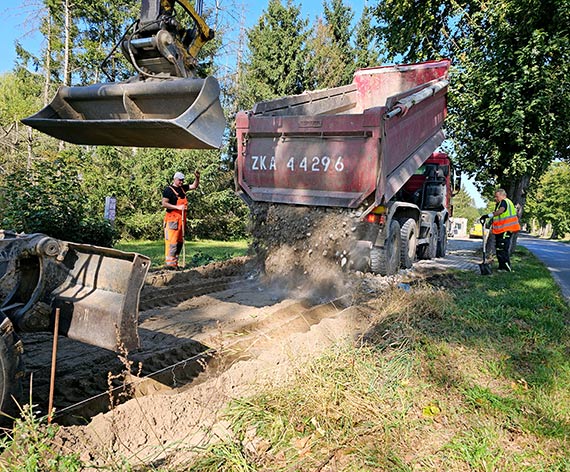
(174, 223)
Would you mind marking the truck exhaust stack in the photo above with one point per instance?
(182, 113)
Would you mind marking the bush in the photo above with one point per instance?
(142, 226)
(97, 231)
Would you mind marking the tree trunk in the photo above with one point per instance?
(66, 51)
(30, 149)
(47, 65)
(67, 43)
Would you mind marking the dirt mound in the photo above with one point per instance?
(230, 267)
(304, 247)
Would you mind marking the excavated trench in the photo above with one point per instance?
(211, 316)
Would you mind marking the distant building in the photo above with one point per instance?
(458, 227)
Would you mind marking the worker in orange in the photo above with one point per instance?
(505, 222)
(175, 201)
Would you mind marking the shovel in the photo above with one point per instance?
(484, 267)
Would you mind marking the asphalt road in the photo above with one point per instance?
(555, 256)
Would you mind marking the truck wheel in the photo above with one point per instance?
(429, 251)
(386, 260)
(408, 242)
(442, 241)
(10, 372)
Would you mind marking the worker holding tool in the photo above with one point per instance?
(505, 222)
(175, 201)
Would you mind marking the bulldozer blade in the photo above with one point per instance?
(180, 113)
(97, 289)
(99, 299)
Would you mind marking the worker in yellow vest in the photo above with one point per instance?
(505, 222)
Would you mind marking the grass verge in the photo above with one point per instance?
(464, 372)
(198, 252)
(467, 373)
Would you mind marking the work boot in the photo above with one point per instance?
(504, 268)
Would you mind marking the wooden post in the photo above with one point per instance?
(53, 364)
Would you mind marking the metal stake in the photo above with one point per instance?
(53, 364)
(183, 240)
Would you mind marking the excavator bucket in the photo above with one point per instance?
(96, 289)
(180, 113)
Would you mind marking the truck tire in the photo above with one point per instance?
(429, 251)
(386, 260)
(442, 241)
(408, 242)
(10, 372)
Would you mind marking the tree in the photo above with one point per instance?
(549, 202)
(327, 63)
(464, 207)
(339, 17)
(276, 65)
(366, 52)
(509, 94)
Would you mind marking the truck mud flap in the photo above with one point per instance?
(180, 113)
(96, 289)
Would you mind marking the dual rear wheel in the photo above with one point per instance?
(400, 247)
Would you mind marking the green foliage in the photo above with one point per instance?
(18, 96)
(143, 226)
(97, 231)
(137, 179)
(508, 100)
(49, 199)
(327, 58)
(30, 447)
(276, 63)
(549, 202)
(366, 51)
(338, 17)
(464, 207)
(46, 199)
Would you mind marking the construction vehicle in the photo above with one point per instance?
(163, 105)
(368, 146)
(96, 291)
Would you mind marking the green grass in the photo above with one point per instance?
(198, 252)
(470, 373)
(29, 447)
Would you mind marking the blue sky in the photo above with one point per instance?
(19, 22)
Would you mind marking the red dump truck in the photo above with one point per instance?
(368, 146)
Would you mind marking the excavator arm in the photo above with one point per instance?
(159, 44)
(203, 32)
(163, 105)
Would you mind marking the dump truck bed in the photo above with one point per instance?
(339, 147)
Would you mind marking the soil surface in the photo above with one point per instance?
(209, 335)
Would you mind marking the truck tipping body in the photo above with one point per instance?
(340, 146)
(359, 148)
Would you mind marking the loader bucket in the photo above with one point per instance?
(96, 289)
(180, 113)
(99, 299)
